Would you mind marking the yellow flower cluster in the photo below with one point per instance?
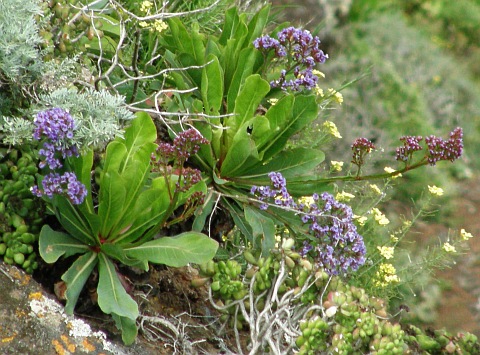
(145, 6)
(336, 95)
(380, 217)
(435, 191)
(465, 235)
(331, 128)
(449, 248)
(375, 189)
(344, 196)
(306, 200)
(387, 274)
(386, 252)
(336, 165)
(360, 219)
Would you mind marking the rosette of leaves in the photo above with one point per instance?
(123, 226)
(248, 134)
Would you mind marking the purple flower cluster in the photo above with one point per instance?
(56, 127)
(411, 144)
(300, 50)
(438, 148)
(66, 185)
(361, 147)
(337, 246)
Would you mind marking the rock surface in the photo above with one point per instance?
(33, 322)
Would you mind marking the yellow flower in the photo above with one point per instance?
(375, 189)
(465, 235)
(380, 217)
(435, 191)
(272, 101)
(393, 238)
(306, 200)
(331, 128)
(145, 6)
(360, 219)
(318, 91)
(386, 274)
(336, 165)
(159, 26)
(143, 24)
(390, 170)
(449, 248)
(344, 196)
(386, 252)
(318, 73)
(336, 95)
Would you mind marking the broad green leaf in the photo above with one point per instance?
(128, 327)
(240, 157)
(212, 85)
(112, 297)
(304, 111)
(229, 25)
(76, 277)
(263, 229)
(291, 163)
(257, 24)
(116, 252)
(249, 97)
(78, 225)
(111, 201)
(140, 132)
(185, 248)
(239, 220)
(52, 245)
(148, 211)
(114, 156)
(245, 67)
(82, 167)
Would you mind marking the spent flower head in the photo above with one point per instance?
(361, 147)
(440, 149)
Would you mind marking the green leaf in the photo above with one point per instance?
(141, 132)
(112, 297)
(52, 245)
(116, 252)
(304, 111)
(128, 327)
(111, 201)
(245, 67)
(81, 226)
(291, 163)
(185, 248)
(240, 157)
(82, 167)
(247, 102)
(239, 220)
(257, 24)
(76, 277)
(114, 156)
(263, 229)
(148, 211)
(212, 85)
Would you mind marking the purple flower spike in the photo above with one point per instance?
(337, 245)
